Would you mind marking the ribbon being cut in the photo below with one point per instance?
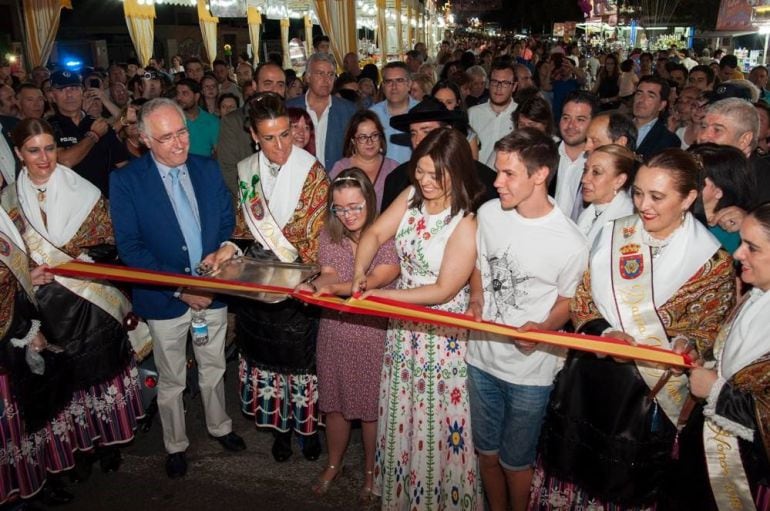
(373, 306)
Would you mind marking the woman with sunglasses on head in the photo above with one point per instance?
(348, 372)
(283, 191)
(365, 148)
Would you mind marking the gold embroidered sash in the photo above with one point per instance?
(727, 476)
(99, 293)
(16, 260)
(725, 468)
(633, 293)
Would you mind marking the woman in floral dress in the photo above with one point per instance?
(425, 457)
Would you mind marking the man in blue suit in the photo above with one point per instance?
(169, 209)
(330, 114)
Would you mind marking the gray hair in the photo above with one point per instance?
(476, 71)
(153, 105)
(746, 84)
(741, 113)
(320, 57)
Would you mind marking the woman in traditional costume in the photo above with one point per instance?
(282, 206)
(64, 217)
(30, 395)
(425, 457)
(735, 432)
(606, 178)
(655, 278)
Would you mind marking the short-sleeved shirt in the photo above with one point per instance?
(396, 151)
(103, 156)
(521, 283)
(204, 133)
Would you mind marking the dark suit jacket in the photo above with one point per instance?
(657, 140)
(147, 232)
(8, 124)
(340, 113)
(235, 144)
(398, 180)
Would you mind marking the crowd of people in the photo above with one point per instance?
(543, 188)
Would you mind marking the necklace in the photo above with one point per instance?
(41, 194)
(273, 168)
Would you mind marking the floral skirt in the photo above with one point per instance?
(103, 414)
(283, 402)
(551, 494)
(22, 454)
(425, 457)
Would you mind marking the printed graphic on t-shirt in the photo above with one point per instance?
(505, 288)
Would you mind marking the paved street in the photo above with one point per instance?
(216, 479)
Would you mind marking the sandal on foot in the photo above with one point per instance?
(321, 487)
(366, 495)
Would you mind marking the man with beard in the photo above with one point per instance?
(493, 120)
(579, 109)
(235, 142)
(396, 83)
(203, 127)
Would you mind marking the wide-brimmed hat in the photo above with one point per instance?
(429, 109)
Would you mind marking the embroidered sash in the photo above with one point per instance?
(99, 293)
(259, 220)
(633, 294)
(727, 476)
(12, 256)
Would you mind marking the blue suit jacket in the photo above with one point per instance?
(148, 234)
(657, 140)
(340, 113)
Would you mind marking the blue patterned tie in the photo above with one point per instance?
(187, 220)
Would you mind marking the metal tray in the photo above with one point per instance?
(260, 271)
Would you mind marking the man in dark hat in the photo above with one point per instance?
(428, 115)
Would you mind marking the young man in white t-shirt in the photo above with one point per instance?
(531, 257)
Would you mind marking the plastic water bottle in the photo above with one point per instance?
(199, 328)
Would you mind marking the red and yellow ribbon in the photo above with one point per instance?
(375, 306)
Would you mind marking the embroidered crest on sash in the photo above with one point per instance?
(257, 209)
(15, 216)
(5, 248)
(631, 262)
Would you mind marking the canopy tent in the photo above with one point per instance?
(41, 23)
(397, 24)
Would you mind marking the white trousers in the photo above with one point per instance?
(169, 349)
